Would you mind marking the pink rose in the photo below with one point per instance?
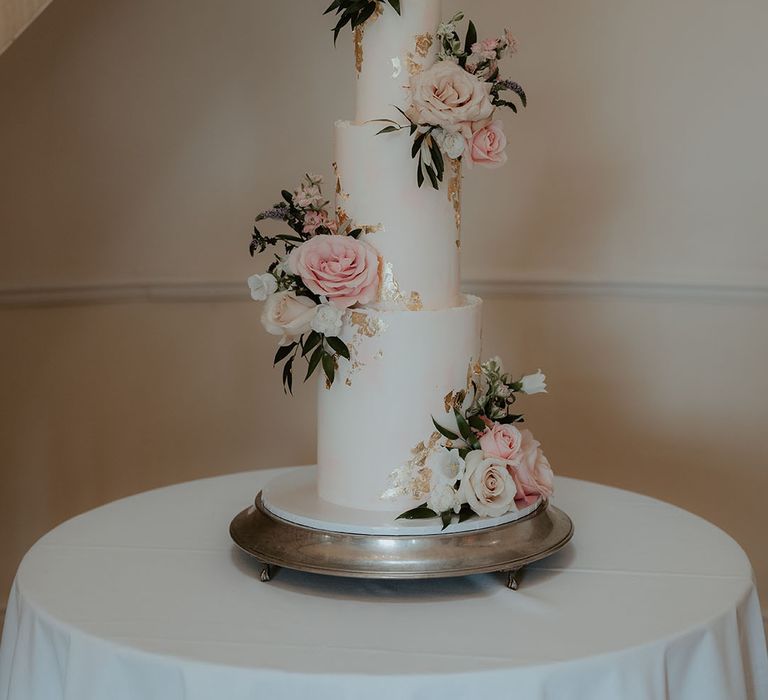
(501, 441)
(341, 268)
(531, 469)
(446, 95)
(485, 143)
(315, 219)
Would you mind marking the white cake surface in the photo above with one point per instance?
(293, 497)
(392, 45)
(381, 404)
(418, 238)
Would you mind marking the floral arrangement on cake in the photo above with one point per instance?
(453, 110)
(321, 269)
(356, 13)
(479, 462)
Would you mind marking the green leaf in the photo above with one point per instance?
(471, 37)
(410, 121)
(329, 367)
(395, 4)
(287, 196)
(444, 431)
(312, 339)
(464, 451)
(437, 158)
(419, 174)
(465, 513)
(446, 516)
(432, 176)
(477, 423)
(282, 352)
(417, 144)
(365, 13)
(314, 361)
(388, 130)
(356, 233)
(418, 513)
(339, 346)
(332, 6)
(288, 376)
(464, 429)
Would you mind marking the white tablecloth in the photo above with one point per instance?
(147, 599)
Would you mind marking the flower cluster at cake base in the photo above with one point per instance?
(453, 104)
(479, 462)
(321, 270)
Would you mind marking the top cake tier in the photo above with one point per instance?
(388, 49)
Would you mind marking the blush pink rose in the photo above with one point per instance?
(446, 95)
(501, 441)
(486, 143)
(341, 268)
(531, 469)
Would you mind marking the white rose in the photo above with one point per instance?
(446, 95)
(262, 286)
(487, 485)
(328, 320)
(443, 498)
(452, 143)
(288, 315)
(534, 383)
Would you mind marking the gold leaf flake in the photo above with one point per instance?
(423, 44)
(414, 302)
(414, 67)
(454, 194)
(366, 325)
(358, 36)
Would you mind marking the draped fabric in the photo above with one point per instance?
(16, 16)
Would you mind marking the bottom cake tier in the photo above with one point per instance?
(402, 367)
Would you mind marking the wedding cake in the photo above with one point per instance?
(365, 290)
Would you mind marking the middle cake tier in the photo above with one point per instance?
(404, 365)
(415, 229)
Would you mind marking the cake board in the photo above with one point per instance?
(316, 539)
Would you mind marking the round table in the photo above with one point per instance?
(147, 598)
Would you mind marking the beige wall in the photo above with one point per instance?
(624, 245)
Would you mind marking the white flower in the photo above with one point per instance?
(487, 486)
(444, 498)
(533, 383)
(453, 144)
(328, 320)
(288, 315)
(447, 466)
(262, 286)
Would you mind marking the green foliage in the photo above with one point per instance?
(355, 13)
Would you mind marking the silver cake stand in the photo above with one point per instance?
(276, 542)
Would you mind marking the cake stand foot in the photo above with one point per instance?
(513, 579)
(267, 572)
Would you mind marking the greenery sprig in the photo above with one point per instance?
(425, 148)
(356, 12)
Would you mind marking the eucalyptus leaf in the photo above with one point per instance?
(388, 130)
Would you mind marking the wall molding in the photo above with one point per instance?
(117, 293)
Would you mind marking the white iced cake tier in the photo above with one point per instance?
(414, 229)
(380, 407)
(388, 48)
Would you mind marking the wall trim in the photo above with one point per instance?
(65, 295)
